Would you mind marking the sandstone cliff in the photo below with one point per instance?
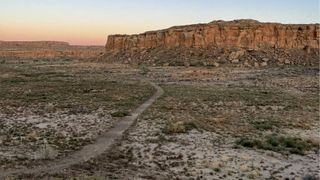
(231, 40)
(239, 33)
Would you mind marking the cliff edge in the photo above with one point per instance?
(217, 39)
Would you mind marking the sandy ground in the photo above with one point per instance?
(210, 150)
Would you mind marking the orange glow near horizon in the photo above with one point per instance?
(89, 22)
(75, 34)
(41, 33)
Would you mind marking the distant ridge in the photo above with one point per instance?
(37, 50)
(34, 44)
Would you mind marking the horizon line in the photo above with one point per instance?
(201, 23)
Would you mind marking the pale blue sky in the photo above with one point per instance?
(90, 21)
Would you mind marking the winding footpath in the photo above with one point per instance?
(102, 144)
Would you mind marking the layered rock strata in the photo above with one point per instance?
(218, 39)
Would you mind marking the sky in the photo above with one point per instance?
(89, 22)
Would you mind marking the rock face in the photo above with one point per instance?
(37, 50)
(239, 33)
(219, 39)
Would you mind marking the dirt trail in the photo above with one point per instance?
(103, 143)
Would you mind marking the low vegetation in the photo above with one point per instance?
(46, 152)
(120, 114)
(259, 109)
(64, 106)
(179, 127)
(263, 125)
(278, 143)
(68, 89)
(144, 70)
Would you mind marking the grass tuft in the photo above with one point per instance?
(120, 114)
(263, 125)
(179, 127)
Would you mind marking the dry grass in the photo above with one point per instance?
(77, 89)
(76, 101)
(179, 127)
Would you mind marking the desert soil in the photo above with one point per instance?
(211, 123)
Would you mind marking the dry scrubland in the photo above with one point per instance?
(211, 123)
(48, 111)
(241, 101)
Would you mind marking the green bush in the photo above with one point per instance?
(179, 127)
(249, 142)
(144, 70)
(277, 143)
(120, 114)
(263, 125)
(190, 125)
(2, 61)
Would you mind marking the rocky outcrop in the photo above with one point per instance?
(236, 41)
(37, 50)
(239, 33)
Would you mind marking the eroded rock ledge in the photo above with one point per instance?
(232, 40)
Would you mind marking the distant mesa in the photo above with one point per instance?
(37, 50)
(34, 44)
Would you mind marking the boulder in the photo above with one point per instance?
(236, 55)
(235, 61)
(263, 64)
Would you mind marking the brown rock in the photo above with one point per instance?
(235, 61)
(239, 33)
(216, 64)
(265, 59)
(236, 55)
(247, 64)
(239, 41)
(287, 61)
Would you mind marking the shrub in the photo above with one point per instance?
(66, 59)
(179, 127)
(120, 114)
(263, 125)
(277, 143)
(249, 142)
(16, 80)
(46, 152)
(310, 177)
(144, 70)
(190, 125)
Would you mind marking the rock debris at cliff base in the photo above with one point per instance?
(214, 57)
(245, 42)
